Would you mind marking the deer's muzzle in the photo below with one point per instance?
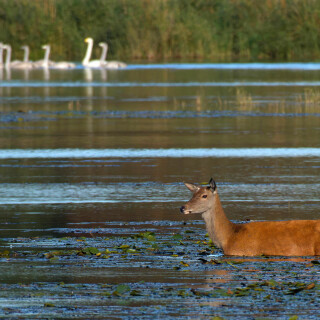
(184, 210)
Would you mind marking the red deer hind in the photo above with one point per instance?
(272, 238)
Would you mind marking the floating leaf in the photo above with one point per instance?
(310, 286)
(211, 244)
(53, 259)
(182, 293)
(241, 292)
(236, 262)
(184, 264)
(49, 255)
(90, 250)
(204, 261)
(135, 293)
(124, 246)
(177, 236)
(300, 287)
(195, 292)
(232, 265)
(203, 253)
(49, 305)
(270, 283)
(294, 291)
(4, 253)
(122, 288)
(258, 289)
(131, 251)
(150, 236)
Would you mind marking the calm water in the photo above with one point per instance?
(91, 151)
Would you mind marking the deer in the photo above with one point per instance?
(256, 238)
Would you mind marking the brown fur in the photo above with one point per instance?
(284, 238)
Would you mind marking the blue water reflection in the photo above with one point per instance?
(160, 153)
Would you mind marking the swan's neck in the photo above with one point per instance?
(26, 54)
(104, 53)
(8, 56)
(87, 57)
(1, 55)
(46, 56)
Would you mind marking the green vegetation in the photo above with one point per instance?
(216, 30)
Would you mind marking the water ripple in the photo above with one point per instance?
(160, 153)
(156, 193)
(229, 66)
(39, 84)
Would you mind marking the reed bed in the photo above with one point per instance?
(229, 30)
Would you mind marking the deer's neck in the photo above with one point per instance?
(219, 227)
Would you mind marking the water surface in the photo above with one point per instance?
(90, 158)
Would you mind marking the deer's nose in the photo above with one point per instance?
(182, 209)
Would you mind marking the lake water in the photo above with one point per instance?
(103, 154)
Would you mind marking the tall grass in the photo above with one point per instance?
(216, 30)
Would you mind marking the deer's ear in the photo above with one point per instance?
(192, 187)
(212, 185)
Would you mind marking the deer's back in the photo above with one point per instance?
(289, 238)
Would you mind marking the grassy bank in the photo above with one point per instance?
(215, 30)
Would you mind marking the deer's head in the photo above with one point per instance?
(202, 199)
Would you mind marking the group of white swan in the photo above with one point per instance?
(45, 63)
(102, 62)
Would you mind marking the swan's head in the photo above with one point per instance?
(103, 44)
(46, 46)
(88, 40)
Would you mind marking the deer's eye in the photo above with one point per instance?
(204, 196)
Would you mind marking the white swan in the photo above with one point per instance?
(16, 64)
(62, 64)
(25, 64)
(9, 50)
(1, 55)
(104, 52)
(7, 62)
(26, 53)
(45, 63)
(109, 64)
(86, 60)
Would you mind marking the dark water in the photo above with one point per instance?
(91, 157)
